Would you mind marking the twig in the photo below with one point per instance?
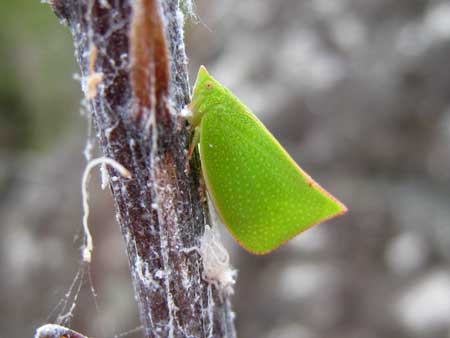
(139, 51)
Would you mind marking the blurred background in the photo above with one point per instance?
(358, 91)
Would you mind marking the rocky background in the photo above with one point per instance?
(358, 91)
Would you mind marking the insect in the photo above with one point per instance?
(261, 195)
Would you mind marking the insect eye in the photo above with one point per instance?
(209, 85)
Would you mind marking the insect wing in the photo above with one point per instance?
(259, 192)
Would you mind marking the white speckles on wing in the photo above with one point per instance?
(256, 188)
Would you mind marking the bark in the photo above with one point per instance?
(133, 67)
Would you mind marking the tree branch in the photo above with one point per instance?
(133, 66)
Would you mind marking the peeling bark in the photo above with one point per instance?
(133, 66)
